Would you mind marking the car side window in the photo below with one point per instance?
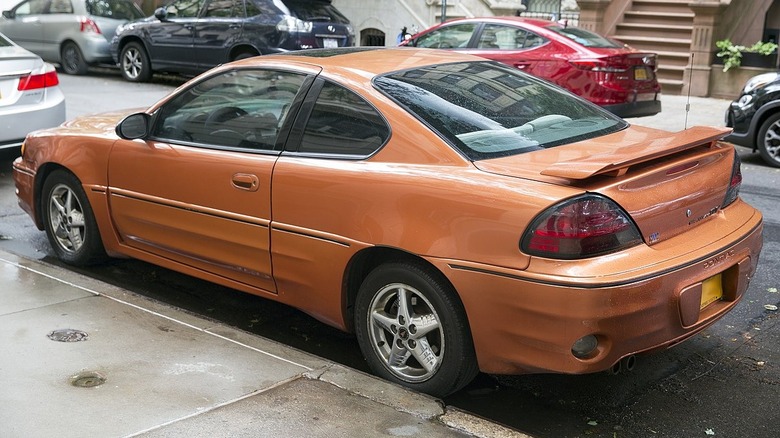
(224, 9)
(260, 7)
(32, 7)
(497, 36)
(60, 7)
(184, 8)
(236, 109)
(342, 123)
(450, 37)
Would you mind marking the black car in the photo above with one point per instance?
(755, 117)
(192, 36)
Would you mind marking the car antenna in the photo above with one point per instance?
(688, 100)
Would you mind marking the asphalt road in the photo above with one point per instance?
(724, 382)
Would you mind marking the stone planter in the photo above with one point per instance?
(728, 85)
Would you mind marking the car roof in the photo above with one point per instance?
(369, 62)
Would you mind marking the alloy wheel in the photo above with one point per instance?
(406, 333)
(66, 217)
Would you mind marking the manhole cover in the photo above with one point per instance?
(87, 379)
(68, 335)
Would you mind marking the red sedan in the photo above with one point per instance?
(603, 71)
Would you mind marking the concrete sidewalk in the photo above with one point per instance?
(129, 366)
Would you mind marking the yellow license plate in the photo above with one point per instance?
(711, 290)
(640, 74)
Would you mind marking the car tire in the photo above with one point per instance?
(397, 339)
(768, 140)
(71, 59)
(134, 63)
(69, 221)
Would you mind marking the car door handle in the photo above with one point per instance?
(235, 26)
(522, 65)
(246, 181)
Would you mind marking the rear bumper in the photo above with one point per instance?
(528, 325)
(19, 120)
(635, 109)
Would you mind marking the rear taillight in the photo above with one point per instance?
(88, 25)
(46, 78)
(584, 226)
(736, 181)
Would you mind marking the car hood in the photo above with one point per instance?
(103, 125)
(667, 182)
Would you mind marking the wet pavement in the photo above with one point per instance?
(84, 358)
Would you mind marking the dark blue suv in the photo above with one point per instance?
(192, 36)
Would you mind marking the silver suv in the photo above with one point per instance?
(73, 33)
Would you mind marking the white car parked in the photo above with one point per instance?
(30, 95)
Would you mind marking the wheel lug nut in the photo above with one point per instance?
(401, 320)
(394, 329)
(400, 343)
(412, 344)
(412, 329)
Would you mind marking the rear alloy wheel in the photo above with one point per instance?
(70, 224)
(412, 329)
(134, 63)
(768, 140)
(72, 61)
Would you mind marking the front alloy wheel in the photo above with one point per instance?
(412, 329)
(134, 63)
(769, 140)
(69, 221)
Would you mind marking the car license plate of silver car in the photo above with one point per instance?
(330, 43)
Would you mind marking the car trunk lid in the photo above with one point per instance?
(667, 182)
(15, 63)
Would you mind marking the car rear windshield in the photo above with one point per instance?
(585, 37)
(116, 9)
(488, 110)
(316, 10)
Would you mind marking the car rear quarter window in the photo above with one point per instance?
(585, 37)
(489, 110)
(342, 123)
(242, 109)
(449, 37)
(60, 7)
(116, 9)
(499, 36)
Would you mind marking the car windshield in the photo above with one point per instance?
(317, 10)
(584, 37)
(4, 42)
(116, 9)
(488, 110)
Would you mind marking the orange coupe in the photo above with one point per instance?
(456, 214)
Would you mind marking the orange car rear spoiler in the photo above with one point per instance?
(617, 161)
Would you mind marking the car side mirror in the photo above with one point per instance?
(134, 126)
(9, 15)
(161, 14)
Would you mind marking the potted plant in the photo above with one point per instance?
(760, 54)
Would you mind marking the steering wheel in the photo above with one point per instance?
(224, 114)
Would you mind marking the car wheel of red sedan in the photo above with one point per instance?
(69, 221)
(769, 140)
(412, 329)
